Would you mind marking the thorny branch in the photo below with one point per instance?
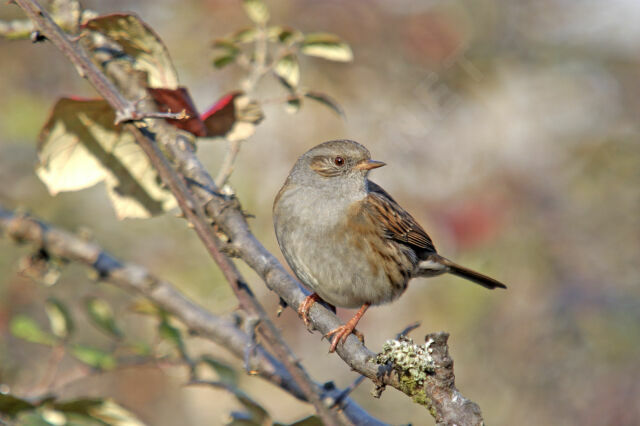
(437, 393)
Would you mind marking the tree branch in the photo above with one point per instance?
(440, 396)
(136, 279)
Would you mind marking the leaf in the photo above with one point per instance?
(293, 105)
(101, 315)
(80, 146)
(228, 52)
(171, 334)
(60, 320)
(28, 329)
(326, 46)
(244, 35)
(177, 100)
(326, 100)
(233, 117)
(306, 421)
(11, 405)
(96, 358)
(284, 35)
(139, 41)
(288, 69)
(257, 414)
(226, 374)
(145, 307)
(256, 10)
(114, 414)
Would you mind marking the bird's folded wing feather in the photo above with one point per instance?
(398, 224)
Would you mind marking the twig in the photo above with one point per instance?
(134, 115)
(134, 278)
(227, 164)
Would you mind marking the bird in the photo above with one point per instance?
(348, 240)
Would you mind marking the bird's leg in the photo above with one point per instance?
(341, 333)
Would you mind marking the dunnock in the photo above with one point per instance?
(347, 239)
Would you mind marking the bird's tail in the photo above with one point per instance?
(436, 265)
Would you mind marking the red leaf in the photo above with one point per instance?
(170, 100)
(219, 119)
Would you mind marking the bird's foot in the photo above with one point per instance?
(341, 333)
(305, 306)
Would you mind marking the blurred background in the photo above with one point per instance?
(511, 132)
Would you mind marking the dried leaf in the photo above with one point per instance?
(101, 315)
(288, 69)
(80, 146)
(256, 10)
(326, 46)
(28, 329)
(326, 100)
(140, 42)
(60, 320)
(114, 414)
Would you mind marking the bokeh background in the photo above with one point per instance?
(510, 130)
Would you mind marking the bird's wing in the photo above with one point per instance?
(397, 223)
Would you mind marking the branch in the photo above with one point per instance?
(136, 279)
(440, 396)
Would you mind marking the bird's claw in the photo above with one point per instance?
(305, 306)
(340, 335)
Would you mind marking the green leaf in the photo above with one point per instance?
(223, 61)
(96, 358)
(226, 374)
(80, 146)
(11, 405)
(284, 35)
(101, 315)
(244, 35)
(326, 46)
(325, 100)
(140, 42)
(293, 105)
(288, 69)
(28, 329)
(60, 320)
(171, 334)
(257, 414)
(256, 10)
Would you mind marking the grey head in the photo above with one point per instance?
(335, 166)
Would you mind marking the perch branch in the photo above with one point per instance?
(441, 397)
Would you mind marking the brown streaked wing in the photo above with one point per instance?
(397, 222)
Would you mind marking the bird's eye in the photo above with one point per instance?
(339, 161)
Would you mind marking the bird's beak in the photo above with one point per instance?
(369, 164)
